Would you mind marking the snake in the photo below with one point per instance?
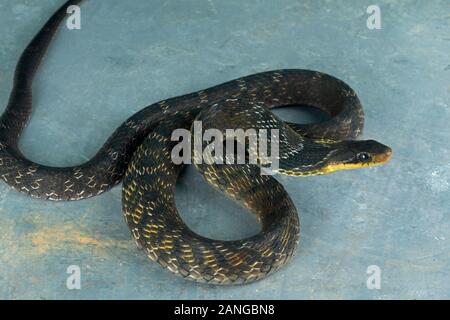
(139, 154)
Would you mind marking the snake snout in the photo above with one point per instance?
(380, 152)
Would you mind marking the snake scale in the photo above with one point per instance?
(139, 153)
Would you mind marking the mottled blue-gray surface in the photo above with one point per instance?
(129, 55)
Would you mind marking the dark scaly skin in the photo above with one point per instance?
(151, 214)
(149, 188)
(141, 146)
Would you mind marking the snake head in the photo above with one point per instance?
(357, 154)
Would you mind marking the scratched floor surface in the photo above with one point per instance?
(129, 55)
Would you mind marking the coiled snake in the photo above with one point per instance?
(139, 152)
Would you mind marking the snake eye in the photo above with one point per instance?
(363, 157)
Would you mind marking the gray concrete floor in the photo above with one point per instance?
(129, 55)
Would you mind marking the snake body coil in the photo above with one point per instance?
(139, 152)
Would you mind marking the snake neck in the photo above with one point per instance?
(307, 158)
